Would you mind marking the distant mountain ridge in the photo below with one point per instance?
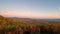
(32, 20)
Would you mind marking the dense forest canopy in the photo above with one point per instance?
(10, 25)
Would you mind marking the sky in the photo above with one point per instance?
(30, 8)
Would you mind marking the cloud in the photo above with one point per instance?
(59, 9)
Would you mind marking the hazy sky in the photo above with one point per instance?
(30, 8)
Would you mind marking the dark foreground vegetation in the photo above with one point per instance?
(11, 26)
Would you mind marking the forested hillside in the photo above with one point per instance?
(12, 26)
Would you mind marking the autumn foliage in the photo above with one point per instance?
(11, 26)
